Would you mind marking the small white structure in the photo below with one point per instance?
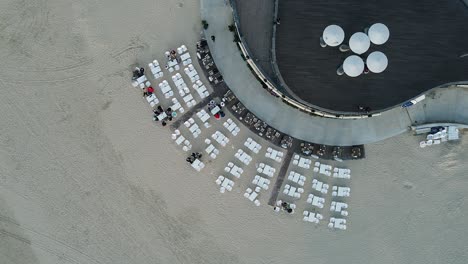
(341, 173)
(377, 62)
(198, 165)
(378, 33)
(353, 66)
(252, 195)
(333, 35)
(359, 42)
(339, 208)
(220, 138)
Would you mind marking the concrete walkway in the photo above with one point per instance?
(449, 105)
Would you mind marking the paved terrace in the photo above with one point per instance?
(448, 105)
(424, 49)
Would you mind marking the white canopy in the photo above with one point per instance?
(353, 66)
(333, 35)
(378, 33)
(377, 62)
(359, 43)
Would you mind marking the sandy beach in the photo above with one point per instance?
(86, 176)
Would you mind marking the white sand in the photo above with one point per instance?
(86, 177)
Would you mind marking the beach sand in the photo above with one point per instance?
(87, 177)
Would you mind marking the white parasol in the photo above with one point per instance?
(378, 33)
(377, 62)
(333, 35)
(353, 66)
(359, 43)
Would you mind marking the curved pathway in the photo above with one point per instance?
(450, 104)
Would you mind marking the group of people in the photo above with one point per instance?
(158, 111)
(138, 72)
(193, 157)
(285, 206)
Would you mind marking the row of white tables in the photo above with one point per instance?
(224, 184)
(312, 217)
(252, 195)
(339, 207)
(341, 191)
(233, 169)
(252, 145)
(261, 182)
(302, 162)
(337, 223)
(316, 200)
(274, 154)
(198, 165)
(220, 138)
(320, 186)
(293, 191)
(297, 178)
(243, 156)
(266, 169)
(231, 126)
(156, 69)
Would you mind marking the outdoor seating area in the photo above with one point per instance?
(341, 173)
(201, 89)
(302, 162)
(233, 169)
(220, 138)
(293, 191)
(198, 165)
(337, 223)
(315, 200)
(261, 182)
(193, 127)
(266, 169)
(243, 156)
(252, 145)
(312, 217)
(297, 178)
(339, 208)
(191, 73)
(252, 195)
(232, 127)
(211, 149)
(155, 69)
(320, 186)
(274, 154)
(166, 89)
(180, 84)
(341, 191)
(323, 169)
(224, 184)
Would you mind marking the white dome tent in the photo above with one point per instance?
(353, 66)
(378, 33)
(333, 35)
(359, 43)
(377, 62)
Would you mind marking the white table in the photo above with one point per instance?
(162, 116)
(292, 191)
(210, 148)
(205, 117)
(151, 98)
(185, 56)
(165, 88)
(215, 110)
(188, 98)
(253, 195)
(141, 79)
(172, 63)
(180, 140)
